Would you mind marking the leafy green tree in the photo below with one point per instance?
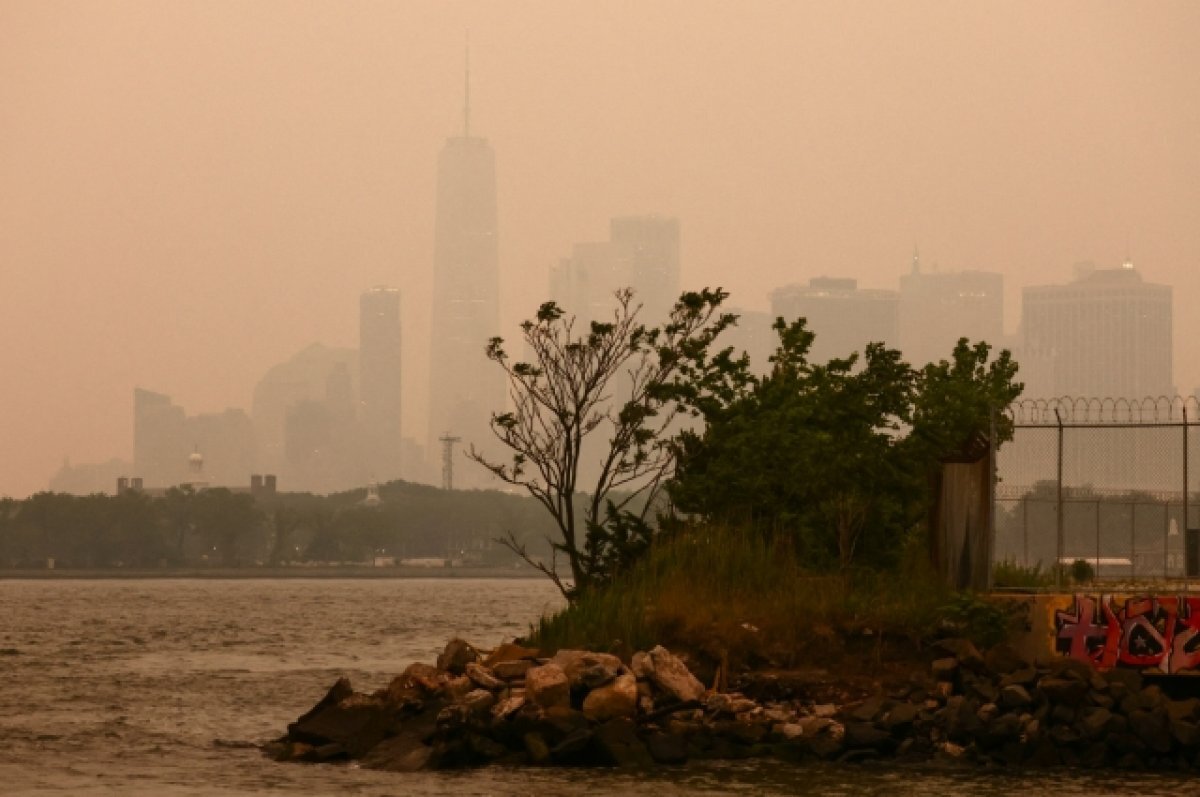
(837, 456)
(618, 380)
(223, 519)
(807, 448)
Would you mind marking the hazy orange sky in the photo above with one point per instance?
(191, 192)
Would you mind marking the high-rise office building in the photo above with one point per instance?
(164, 436)
(650, 244)
(464, 387)
(642, 253)
(938, 308)
(844, 317)
(379, 380)
(1107, 334)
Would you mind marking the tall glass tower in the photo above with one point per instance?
(464, 387)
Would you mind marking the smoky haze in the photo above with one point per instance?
(190, 193)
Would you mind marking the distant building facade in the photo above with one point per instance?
(844, 317)
(379, 397)
(164, 436)
(642, 253)
(938, 308)
(1106, 334)
(464, 387)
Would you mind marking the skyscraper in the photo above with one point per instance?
(936, 309)
(844, 317)
(642, 253)
(379, 380)
(651, 246)
(1107, 334)
(464, 387)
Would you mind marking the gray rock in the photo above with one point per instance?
(405, 752)
(355, 724)
(512, 670)
(547, 686)
(479, 701)
(617, 744)
(670, 675)
(965, 651)
(864, 735)
(1186, 710)
(483, 677)
(901, 717)
(596, 668)
(1151, 726)
(456, 656)
(1094, 722)
(667, 748)
(615, 699)
(1015, 696)
(945, 669)
(1068, 691)
(1186, 733)
(1025, 676)
(536, 748)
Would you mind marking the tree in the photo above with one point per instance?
(838, 456)
(618, 379)
(807, 449)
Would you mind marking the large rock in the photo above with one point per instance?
(945, 669)
(405, 752)
(510, 651)
(667, 748)
(964, 650)
(1067, 691)
(586, 670)
(512, 670)
(1015, 696)
(672, 676)
(418, 675)
(617, 698)
(1153, 728)
(354, 724)
(456, 656)
(616, 743)
(547, 686)
(483, 677)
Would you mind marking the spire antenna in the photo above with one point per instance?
(467, 89)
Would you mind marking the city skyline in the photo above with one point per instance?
(189, 207)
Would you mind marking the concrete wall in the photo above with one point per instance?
(1154, 632)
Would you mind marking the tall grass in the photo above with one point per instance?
(1007, 574)
(737, 595)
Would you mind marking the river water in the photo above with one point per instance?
(165, 687)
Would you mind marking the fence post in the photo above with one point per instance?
(1183, 532)
(1133, 540)
(1166, 539)
(1058, 560)
(1025, 528)
(991, 537)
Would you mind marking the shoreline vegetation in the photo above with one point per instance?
(770, 580)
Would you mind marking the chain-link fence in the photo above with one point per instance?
(1109, 484)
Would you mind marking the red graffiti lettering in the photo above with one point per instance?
(1146, 632)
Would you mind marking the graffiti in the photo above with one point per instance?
(1143, 632)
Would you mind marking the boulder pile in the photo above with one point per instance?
(580, 708)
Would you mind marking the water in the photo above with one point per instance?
(164, 687)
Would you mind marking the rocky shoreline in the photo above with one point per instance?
(513, 706)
